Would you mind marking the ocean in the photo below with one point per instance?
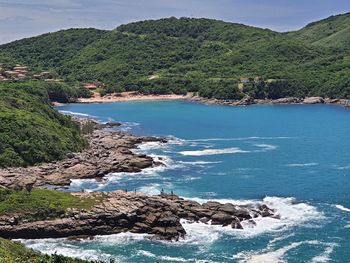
(294, 158)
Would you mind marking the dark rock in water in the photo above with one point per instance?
(221, 218)
(204, 220)
(236, 223)
(228, 208)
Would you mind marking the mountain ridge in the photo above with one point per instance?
(190, 54)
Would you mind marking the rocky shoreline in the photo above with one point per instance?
(247, 100)
(121, 211)
(108, 152)
(112, 151)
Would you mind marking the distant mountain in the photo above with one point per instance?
(209, 56)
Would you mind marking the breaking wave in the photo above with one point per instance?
(343, 208)
(213, 151)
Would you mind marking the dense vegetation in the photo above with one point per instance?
(179, 55)
(31, 131)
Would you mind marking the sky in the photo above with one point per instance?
(26, 18)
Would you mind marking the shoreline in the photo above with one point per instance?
(108, 151)
(129, 97)
(246, 101)
(120, 211)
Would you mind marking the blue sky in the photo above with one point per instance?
(24, 18)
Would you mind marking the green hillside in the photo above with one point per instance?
(333, 31)
(31, 131)
(209, 56)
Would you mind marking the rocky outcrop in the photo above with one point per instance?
(247, 100)
(108, 152)
(135, 212)
(313, 100)
(288, 100)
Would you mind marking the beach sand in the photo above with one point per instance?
(130, 96)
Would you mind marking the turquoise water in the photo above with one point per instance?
(294, 158)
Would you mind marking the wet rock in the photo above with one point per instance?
(221, 218)
(228, 208)
(236, 223)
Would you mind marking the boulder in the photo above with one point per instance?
(228, 208)
(247, 100)
(313, 100)
(221, 218)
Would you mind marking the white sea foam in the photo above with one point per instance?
(347, 167)
(238, 139)
(272, 255)
(343, 208)
(301, 164)
(290, 213)
(63, 247)
(325, 256)
(266, 147)
(275, 256)
(199, 162)
(213, 151)
(151, 189)
(161, 258)
(72, 113)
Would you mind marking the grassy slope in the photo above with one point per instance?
(40, 204)
(330, 32)
(31, 131)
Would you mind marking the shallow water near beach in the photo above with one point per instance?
(294, 158)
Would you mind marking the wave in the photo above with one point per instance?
(268, 257)
(145, 253)
(76, 114)
(343, 208)
(65, 248)
(325, 256)
(155, 188)
(266, 147)
(290, 212)
(301, 164)
(199, 162)
(213, 152)
(347, 167)
(92, 185)
(238, 139)
(271, 255)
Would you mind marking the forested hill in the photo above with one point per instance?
(209, 56)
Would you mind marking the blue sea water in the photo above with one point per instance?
(294, 158)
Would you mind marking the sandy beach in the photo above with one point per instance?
(130, 96)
